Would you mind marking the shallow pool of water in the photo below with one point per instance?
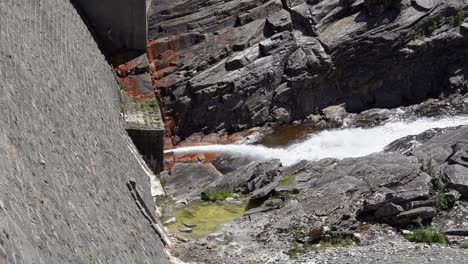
(205, 217)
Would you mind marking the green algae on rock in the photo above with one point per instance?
(204, 218)
(215, 196)
(287, 181)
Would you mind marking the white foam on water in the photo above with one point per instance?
(341, 143)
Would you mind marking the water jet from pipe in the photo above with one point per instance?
(339, 144)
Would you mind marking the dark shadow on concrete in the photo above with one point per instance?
(80, 12)
(119, 27)
(150, 144)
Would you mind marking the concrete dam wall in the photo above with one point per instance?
(72, 187)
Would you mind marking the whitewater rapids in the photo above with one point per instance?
(341, 143)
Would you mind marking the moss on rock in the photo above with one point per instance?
(204, 218)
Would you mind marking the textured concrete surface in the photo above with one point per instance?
(68, 175)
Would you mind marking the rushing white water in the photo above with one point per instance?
(342, 143)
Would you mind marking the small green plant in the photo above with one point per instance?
(285, 195)
(442, 201)
(92, 259)
(331, 240)
(135, 126)
(147, 121)
(297, 249)
(338, 239)
(167, 129)
(463, 245)
(228, 237)
(287, 181)
(452, 21)
(123, 87)
(123, 107)
(433, 27)
(148, 109)
(427, 235)
(213, 196)
(273, 201)
(459, 18)
(436, 24)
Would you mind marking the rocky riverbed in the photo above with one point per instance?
(296, 67)
(352, 210)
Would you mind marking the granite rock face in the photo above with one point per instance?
(72, 188)
(243, 63)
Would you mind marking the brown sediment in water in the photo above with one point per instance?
(280, 137)
(287, 135)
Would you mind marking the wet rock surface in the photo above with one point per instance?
(230, 65)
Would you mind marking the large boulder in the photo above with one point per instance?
(423, 4)
(186, 181)
(413, 216)
(388, 210)
(250, 177)
(457, 176)
(334, 113)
